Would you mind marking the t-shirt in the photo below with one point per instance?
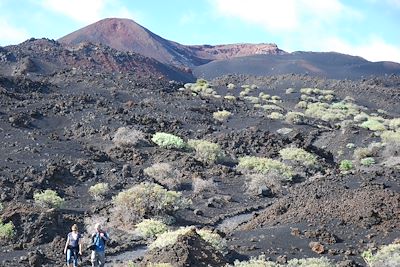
(100, 243)
(74, 239)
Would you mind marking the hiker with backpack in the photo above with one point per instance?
(73, 246)
(99, 239)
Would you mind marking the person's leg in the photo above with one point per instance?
(68, 257)
(102, 258)
(93, 259)
(75, 254)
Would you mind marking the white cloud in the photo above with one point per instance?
(10, 34)
(283, 15)
(88, 11)
(373, 49)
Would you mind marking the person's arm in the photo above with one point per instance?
(66, 245)
(104, 236)
(80, 245)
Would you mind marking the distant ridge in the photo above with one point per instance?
(127, 35)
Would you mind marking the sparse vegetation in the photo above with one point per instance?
(391, 137)
(99, 191)
(260, 165)
(276, 116)
(201, 87)
(231, 86)
(346, 165)
(48, 199)
(230, 97)
(201, 185)
(373, 124)
(365, 152)
(151, 228)
(307, 262)
(6, 230)
(127, 137)
(298, 155)
(167, 140)
(386, 256)
(144, 201)
(367, 161)
(294, 117)
(222, 115)
(165, 174)
(206, 151)
(171, 237)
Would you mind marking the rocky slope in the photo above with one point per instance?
(127, 35)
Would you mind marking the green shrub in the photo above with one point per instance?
(387, 256)
(367, 161)
(222, 115)
(6, 230)
(299, 155)
(206, 151)
(231, 86)
(230, 97)
(127, 137)
(99, 191)
(146, 200)
(166, 140)
(390, 137)
(350, 145)
(335, 112)
(169, 238)
(394, 124)
(201, 87)
(271, 107)
(361, 117)
(214, 239)
(311, 262)
(151, 228)
(373, 125)
(276, 116)
(346, 165)
(252, 99)
(165, 174)
(301, 105)
(294, 117)
(48, 199)
(265, 166)
(264, 96)
(307, 262)
(365, 152)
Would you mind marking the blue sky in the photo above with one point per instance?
(367, 28)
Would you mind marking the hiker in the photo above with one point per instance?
(99, 239)
(73, 246)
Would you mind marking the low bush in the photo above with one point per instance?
(367, 161)
(269, 107)
(261, 165)
(231, 86)
(201, 87)
(394, 124)
(386, 256)
(48, 199)
(390, 137)
(299, 155)
(276, 116)
(214, 239)
(127, 137)
(151, 228)
(364, 152)
(200, 185)
(306, 262)
(256, 182)
(206, 151)
(373, 125)
(264, 96)
(99, 191)
(222, 115)
(294, 118)
(346, 165)
(6, 230)
(165, 174)
(252, 99)
(230, 97)
(169, 238)
(362, 117)
(167, 140)
(301, 105)
(144, 201)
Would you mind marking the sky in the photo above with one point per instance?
(366, 28)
